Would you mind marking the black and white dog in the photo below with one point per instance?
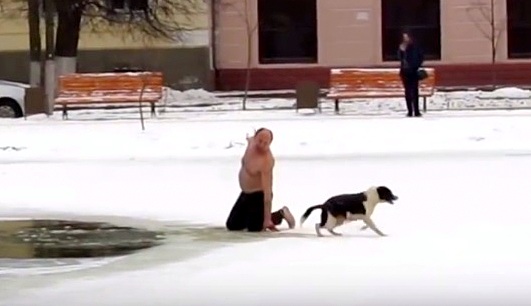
(343, 208)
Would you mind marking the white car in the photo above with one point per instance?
(12, 99)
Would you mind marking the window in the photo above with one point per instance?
(518, 28)
(131, 5)
(421, 17)
(287, 31)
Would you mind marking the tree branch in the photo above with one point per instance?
(242, 9)
(161, 19)
(483, 11)
(496, 27)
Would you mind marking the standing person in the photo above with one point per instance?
(252, 210)
(411, 59)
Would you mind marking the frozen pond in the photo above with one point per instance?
(446, 237)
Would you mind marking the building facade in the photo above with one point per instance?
(292, 40)
(185, 63)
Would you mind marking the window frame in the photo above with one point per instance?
(518, 24)
(391, 29)
(265, 33)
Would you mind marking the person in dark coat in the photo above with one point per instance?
(411, 59)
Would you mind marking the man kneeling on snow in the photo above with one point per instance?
(252, 210)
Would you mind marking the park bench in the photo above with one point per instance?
(363, 83)
(109, 88)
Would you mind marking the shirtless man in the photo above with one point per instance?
(252, 210)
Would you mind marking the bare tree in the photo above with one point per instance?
(143, 20)
(138, 19)
(35, 76)
(483, 14)
(49, 64)
(243, 10)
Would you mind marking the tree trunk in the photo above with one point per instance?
(35, 43)
(494, 77)
(68, 27)
(49, 74)
(249, 31)
(247, 71)
(493, 42)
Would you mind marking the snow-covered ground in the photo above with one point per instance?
(507, 97)
(458, 234)
(197, 102)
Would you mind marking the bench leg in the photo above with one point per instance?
(424, 104)
(153, 114)
(336, 106)
(65, 112)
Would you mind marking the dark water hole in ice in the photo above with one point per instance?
(41, 238)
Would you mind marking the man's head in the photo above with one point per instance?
(262, 139)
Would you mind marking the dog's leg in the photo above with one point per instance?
(332, 225)
(318, 229)
(331, 230)
(334, 222)
(372, 226)
(354, 217)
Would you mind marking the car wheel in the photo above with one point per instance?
(9, 108)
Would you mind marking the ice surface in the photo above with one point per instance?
(458, 234)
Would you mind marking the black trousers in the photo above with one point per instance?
(248, 213)
(410, 81)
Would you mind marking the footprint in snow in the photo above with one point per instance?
(10, 148)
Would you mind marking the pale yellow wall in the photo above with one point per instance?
(14, 36)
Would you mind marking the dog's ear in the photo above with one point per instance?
(385, 194)
(382, 192)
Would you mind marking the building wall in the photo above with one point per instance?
(349, 34)
(186, 64)
(231, 34)
(14, 35)
(462, 32)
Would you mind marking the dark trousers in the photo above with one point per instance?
(410, 81)
(248, 213)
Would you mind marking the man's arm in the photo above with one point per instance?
(267, 186)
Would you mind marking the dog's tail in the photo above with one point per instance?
(308, 212)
